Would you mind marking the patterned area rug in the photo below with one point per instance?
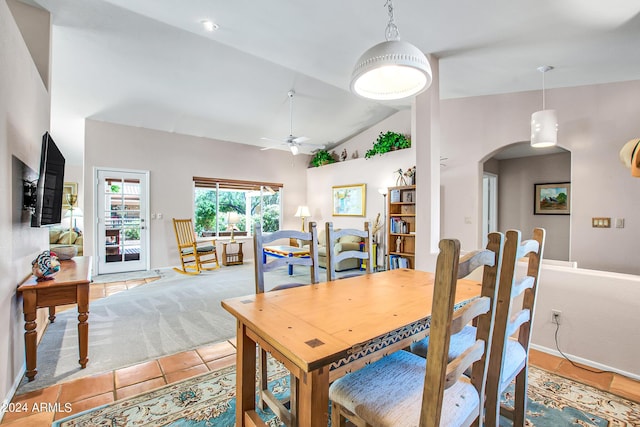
(209, 400)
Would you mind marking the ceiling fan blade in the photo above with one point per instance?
(299, 139)
(274, 140)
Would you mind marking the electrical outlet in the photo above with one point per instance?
(556, 317)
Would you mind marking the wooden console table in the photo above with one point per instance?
(70, 286)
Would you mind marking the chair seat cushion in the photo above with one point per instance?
(459, 342)
(512, 363)
(388, 393)
(206, 248)
(287, 286)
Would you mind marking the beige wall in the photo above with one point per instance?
(516, 179)
(172, 161)
(24, 117)
(594, 122)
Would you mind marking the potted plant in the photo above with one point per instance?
(322, 157)
(388, 141)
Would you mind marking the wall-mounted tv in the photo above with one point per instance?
(48, 203)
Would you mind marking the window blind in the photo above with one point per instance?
(234, 184)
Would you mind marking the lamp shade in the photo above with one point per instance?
(294, 149)
(233, 218)
(544, 128)
(393, 69)
(77, 213)
(303, 211)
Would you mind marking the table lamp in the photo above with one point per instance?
(232, 220)
(71, 199)
(303, 212)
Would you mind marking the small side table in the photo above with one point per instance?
(232, 258)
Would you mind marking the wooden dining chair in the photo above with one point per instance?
(402, 389)
(509, 357)
(262, 265)
(512, 331)
(334, 257)
(194, 255)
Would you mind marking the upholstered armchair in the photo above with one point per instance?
(345, 243)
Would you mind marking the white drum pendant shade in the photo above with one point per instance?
(393, 69)
(544, 128)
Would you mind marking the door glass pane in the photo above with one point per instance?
(122, 220)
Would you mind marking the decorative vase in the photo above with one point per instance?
(45, 266)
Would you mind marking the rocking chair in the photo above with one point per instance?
(193, 254)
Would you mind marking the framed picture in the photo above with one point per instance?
(349, 200)
(69, 188)
(552, 199)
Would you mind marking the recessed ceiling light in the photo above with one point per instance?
(209, 26)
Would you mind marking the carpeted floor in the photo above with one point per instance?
(209, 400)
(172, 314)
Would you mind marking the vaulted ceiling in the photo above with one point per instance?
(150, 63)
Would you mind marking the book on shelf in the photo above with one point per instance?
(397, 261)
(395, 196)
(399, 226)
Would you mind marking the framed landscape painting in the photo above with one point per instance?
(349, 200)
(552, 198)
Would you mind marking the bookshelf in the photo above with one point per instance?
(401, 227)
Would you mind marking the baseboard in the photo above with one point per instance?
(12, 390)
(586, 362)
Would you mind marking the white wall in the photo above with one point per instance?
(173, 160)
(594, 122)
(376, 172)
(24, 117)
(599, 317)
(516, 179)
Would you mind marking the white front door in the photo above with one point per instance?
(489, 206)
(122, 232)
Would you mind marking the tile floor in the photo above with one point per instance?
(62, 400)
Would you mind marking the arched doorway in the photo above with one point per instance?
(518, 167)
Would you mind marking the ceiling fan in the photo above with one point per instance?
(293, 142)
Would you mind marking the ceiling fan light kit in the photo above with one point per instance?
(393, 69)
(544, 123)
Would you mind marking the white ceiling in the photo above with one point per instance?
(149, 63)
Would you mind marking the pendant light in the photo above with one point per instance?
(544, 123)
(393, 69)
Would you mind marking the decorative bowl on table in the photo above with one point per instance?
(45, 266)
(65, 252)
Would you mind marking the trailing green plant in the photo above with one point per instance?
(322, 157)
(386, 142)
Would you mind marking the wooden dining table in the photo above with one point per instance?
(321, 332)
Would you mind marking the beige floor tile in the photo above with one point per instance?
(543, 360)
(114, 289)
(601, 381)
(40, 419)
(137, 373)
(179, 361)
(84, 388)
(216, 351)
(23, 404)
(176, 376)
(625, 387)
(83, 405)
(138, 388)
(223, 362)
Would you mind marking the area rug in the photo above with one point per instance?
(209, 400)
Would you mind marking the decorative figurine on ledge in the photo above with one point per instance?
(45, 266)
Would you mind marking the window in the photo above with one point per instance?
(220, 204)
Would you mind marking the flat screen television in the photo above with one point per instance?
(50, 186)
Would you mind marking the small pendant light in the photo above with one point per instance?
(544, 123)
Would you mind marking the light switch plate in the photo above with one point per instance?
(601, 222)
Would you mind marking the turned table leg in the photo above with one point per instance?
(30, 334)
(52, 313)
(83, 325)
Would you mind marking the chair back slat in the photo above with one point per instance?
(260, 240)
(469, 312)
(333, 258)
(508, 324)
(459, 366)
